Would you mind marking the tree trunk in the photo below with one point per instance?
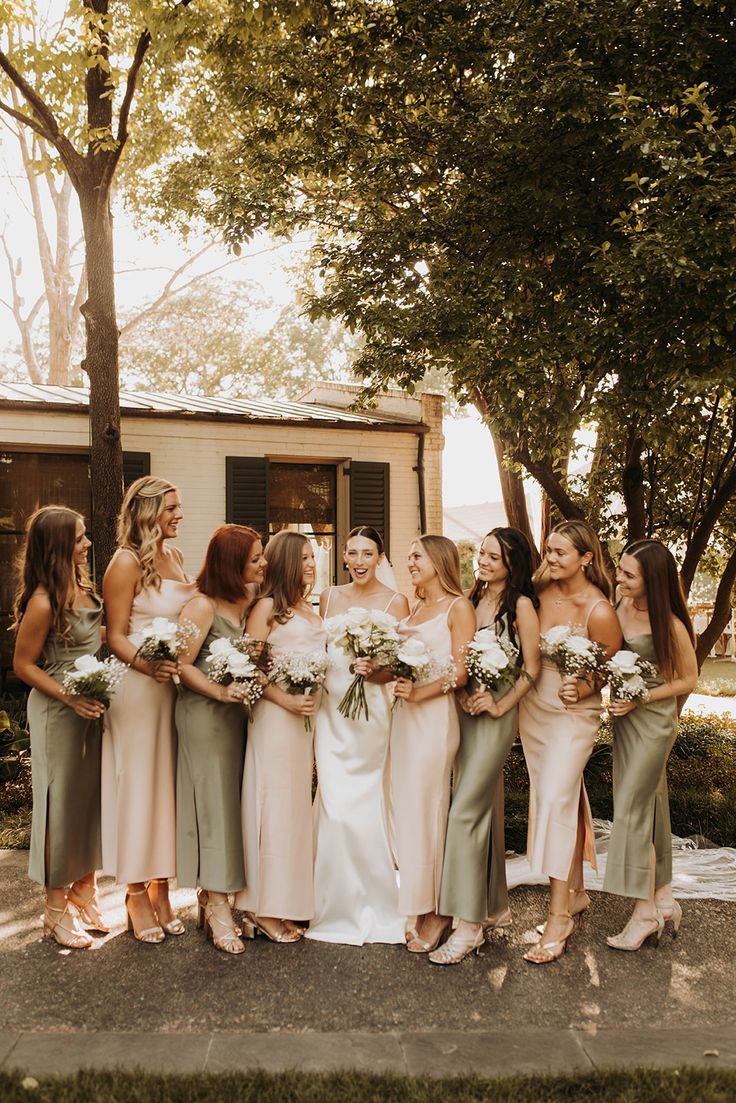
(101, 365)
(633, 488)
(721, 611)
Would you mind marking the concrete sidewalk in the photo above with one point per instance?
(183, 1006)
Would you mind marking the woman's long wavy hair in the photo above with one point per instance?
(516, 555)
(665, 600)
(138, 527)
(283, 581)
(584, 540)
(47, 560)
(445, 559)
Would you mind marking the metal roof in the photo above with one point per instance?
(247, 409)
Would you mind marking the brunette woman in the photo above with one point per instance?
(657, 628)
(145, 579)
(558, 724)
(474, 872)
(277, 785)
(425, 736)
(57, 620)
(210, 722)
(356, 899)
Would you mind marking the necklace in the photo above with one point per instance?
(569, 597)
(436, 601)
(644, 610)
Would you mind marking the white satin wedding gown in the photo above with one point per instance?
(355, 889)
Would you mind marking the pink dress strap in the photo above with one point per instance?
(390, 601)
(329, 599)
(595, 606)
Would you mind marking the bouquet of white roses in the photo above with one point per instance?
(491, 659)
(412, 660)
(626, 673)
(94, 678)
(297, 673)
(363, 633)
(165, 640)
(235, 661)
(574, 655)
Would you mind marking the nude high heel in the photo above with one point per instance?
(456, 949)
(89, 909)
(69, 935)
(545, 952)
(497, 924)
(151, 935)
(175, 925)
(632, 939)
(227, 939)
(252, 926)
(672, 913)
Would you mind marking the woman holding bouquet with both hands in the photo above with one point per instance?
(558, 724)
(474, 872)
(57, 620)
(657, 629)
(211, 722)
(277, 784)
(425, 736)
(145, 580)
(356, 898)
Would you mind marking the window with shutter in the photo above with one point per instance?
(135, 466)
(246, 492)
(370, 496)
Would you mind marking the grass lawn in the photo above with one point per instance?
(630, 1086)
(717, 678)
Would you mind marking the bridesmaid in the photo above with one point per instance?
(145, 579)
(354, 877)
(277, 786)
(210, 721)
(656, 625)
(425, 736)
(558, 724)
(57, 620)
(474, 872)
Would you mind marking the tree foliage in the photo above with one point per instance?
(536, 196)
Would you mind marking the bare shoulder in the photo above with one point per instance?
(124, 565)
(199, 605)
(399, 605)
(525, 605)
(462, 611)
(175, 554)
(602, 613)
(39, 602)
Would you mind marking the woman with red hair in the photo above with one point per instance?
(210, 720)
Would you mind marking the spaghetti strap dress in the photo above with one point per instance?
(557, 743)
(277, 796)
(425, 736)
(65, 757)
(356, 896)
(209, 776)
(139, 756)
(474, 872)
(642, 741)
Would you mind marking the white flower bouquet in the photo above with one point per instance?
(235, 661)
(491, 659)
(164, 640)
(412, 660)
(574, 655)
(626, 673)
(297, 673)
(364, 633)
(94, 678)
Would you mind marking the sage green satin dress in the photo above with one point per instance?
(209, 837)
(474, 869)
(65, 760)
(642, 741)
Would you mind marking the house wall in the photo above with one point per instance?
(192, 454)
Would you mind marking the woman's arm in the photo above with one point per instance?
(527, 627)
(118, 591)
(200, 612)
(603, 628)
(461, 622)
(30, 638)
(683, 683)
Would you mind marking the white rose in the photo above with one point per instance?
(579, 645)
(556, 635)
(635, 686)
(357, 619)
(163, 629)
(220, 647)
(412, 652)
(240, 665)
(88, 664)
(625, 661)
(383, 620)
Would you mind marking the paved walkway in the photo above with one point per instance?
(183, 1006)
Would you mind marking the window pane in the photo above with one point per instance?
(29, 480)
(301, 494)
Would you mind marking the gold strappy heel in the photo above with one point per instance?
(151, 935)
(229, 941)
(89, 909)
(650, 926)
(71, 937)
(456, 949)
(253, 926)
(545, 952)
(175, 925)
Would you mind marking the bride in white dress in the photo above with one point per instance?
(355, 891)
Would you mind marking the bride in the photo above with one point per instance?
(356, 898)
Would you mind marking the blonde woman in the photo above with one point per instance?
(425, 736)
(277, 784)
(57, 620)
(558, 724)
(145, 579)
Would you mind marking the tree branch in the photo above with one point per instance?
(702, 532)
(721, 611)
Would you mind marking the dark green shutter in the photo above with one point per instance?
(135, 466)
(370, 497)
(246, 492)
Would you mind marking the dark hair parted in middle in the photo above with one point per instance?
(223, 569)
(369, 533)
(516, 555)
(665, 599)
